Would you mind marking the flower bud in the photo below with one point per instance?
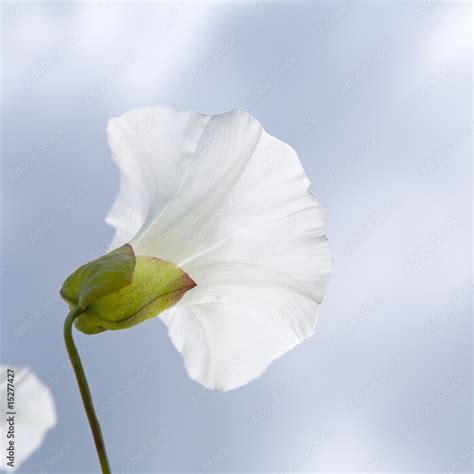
(120, 290)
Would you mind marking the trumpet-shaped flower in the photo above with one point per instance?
(28, 412)
(228, 204)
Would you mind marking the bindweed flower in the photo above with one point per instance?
(219, 212)
(28, 412)
(217, 233)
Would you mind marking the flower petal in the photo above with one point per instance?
(227, 344)
(35, 414)
(240, 221)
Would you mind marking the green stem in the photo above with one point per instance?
(84, 389)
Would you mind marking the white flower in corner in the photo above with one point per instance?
(229, 204)
(35, 414)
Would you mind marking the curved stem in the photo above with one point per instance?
(84, 389)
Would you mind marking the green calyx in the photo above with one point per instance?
(120, 290)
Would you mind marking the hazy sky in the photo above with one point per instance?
(376, 98)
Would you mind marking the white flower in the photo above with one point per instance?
(229, 204)
(34, 414)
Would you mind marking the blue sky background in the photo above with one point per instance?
(376, 98)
